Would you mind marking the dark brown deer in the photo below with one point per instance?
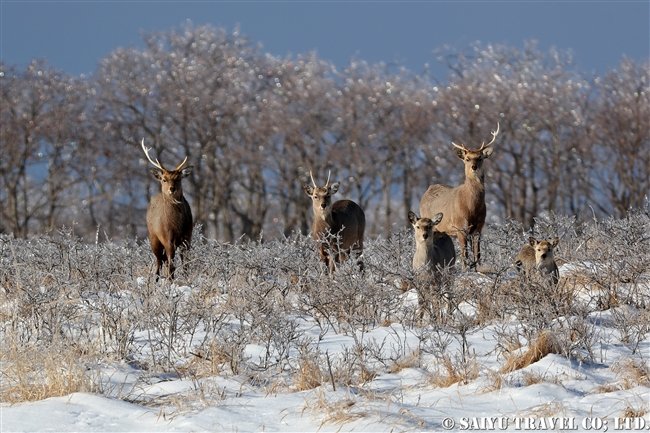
(169, 217)
(463, 206)
(433, 258)
(338, 226)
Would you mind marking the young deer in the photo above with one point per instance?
(463, 206)
(169, 217)
(537, 257)
(338, 226)
(434, 255)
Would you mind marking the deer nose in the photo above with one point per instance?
(543, 256)
(323, 205)
(425, 235)
(172, 189)
(474, 167)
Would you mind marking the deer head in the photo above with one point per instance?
(321, 196)
(473, 158)
(170, 180)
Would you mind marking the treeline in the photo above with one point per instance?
(254, 125)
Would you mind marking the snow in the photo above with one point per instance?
(555, 392)
(405, 400)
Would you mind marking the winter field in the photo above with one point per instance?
(258, 337)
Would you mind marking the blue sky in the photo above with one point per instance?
(73, 36)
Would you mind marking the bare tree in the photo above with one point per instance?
(621, 138)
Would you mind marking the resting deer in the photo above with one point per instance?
(463, 206)
(434, 255)
(537, 256)
(169, 217)
(338, 226)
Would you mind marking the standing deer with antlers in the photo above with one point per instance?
(338, 227)
(463, 206)
(169, 217)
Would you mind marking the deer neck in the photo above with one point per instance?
(474, 186)
(323, 217)
(174, 200)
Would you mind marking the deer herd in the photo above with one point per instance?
(338, 227)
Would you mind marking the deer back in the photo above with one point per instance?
(463, 207)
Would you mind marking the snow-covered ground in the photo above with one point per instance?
(552, 393)
(404, 375)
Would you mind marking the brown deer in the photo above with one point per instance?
(537, 256)
(434, 255)
(463, 206)
(338, 226)
(169, 217)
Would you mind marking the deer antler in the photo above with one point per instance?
(461, 147)
(328, 178)
(157, 163)
(494, 137)
(312, 179)
(181, 165)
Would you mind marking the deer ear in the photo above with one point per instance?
(487, 152)
(156, 173)
(413, 218)
(532, 241)
(437, 218)
(334, 187)
(554, 242)
(309, 190)
(460, 153)
(186, 171)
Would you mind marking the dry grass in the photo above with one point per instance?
(632, 372)
(495, 383)
(451, 373)
(544, 410)
(411, 360)
(333, 412)
(544, 344)
(308, 375)
(32, 373)
(207, 363)
(631, 413)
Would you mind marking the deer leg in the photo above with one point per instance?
(476, 248)
(326, 257)
(159, 253)
(358, 250)
(171, 252)
(462, 240)
(182, 250)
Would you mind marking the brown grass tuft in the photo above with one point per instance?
(333, 412)
(544, 344)
(411, 360)
(308, 376)
(31, 373)
(630, 412)
(452, 373)
(632, 372)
